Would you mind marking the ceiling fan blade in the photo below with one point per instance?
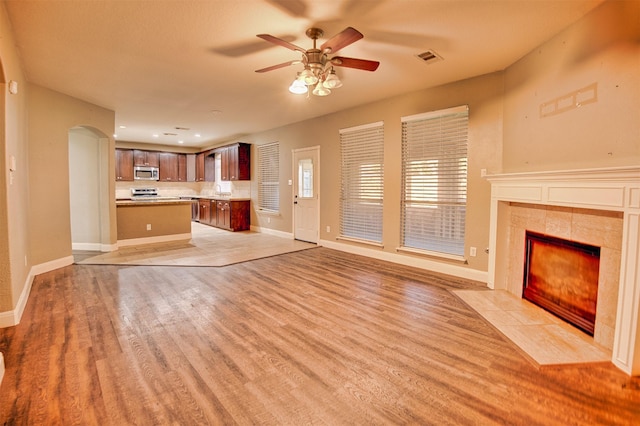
(360, 64)
(342, 39)
(275, 67)
(281, 42)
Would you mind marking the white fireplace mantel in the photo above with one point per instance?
(611, 189)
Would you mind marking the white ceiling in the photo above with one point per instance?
(166, 64)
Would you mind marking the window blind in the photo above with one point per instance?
(269, 177)
(362, 166)
(434, 180)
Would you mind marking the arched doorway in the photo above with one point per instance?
(89, 189)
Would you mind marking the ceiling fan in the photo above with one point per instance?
(318, 64)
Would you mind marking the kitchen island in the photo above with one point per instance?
(142, 221)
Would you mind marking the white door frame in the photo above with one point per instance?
(316, 177)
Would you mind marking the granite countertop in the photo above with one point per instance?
(184, 199)
(216, 197)
(151, 201)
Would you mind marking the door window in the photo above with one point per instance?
(305, 178)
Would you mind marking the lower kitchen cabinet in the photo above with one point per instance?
(233, 215)
(204, 215)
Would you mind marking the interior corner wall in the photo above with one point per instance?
(483, 94)
(51, 116)
(14, 228)
(597, 60)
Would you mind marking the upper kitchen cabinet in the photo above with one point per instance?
(205, 167)
(146, 158)
(235, 162)
(173, 167)
(182, 167)
(124, 164)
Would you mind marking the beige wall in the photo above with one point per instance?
(51, 115)
(506, 132)
(14, 228)
(603, 48)
(484, 97)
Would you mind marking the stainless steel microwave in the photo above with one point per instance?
(145, 173)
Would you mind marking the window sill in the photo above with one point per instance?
(359, 241)
(434, 254)
(268, 212)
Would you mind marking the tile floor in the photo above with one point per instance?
(545, 339)
(208, 247)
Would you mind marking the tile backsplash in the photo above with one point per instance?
(237, 189)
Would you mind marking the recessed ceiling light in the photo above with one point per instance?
(123, 127)
(115, 135)
(155, 135)
(197, 135)
(180, 141)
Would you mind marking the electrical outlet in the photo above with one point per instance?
(268, 220)
(328, 228)
(472, 251)
(148, 227)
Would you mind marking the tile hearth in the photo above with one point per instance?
(543, 338)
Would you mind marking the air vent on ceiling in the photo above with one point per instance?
(429, 57)
(170, 134)
(182, 128)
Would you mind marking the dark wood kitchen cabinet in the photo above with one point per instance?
(205, 167)
(182, 167)
(146, 158)
(223, 214)
(233, 215)
(173, 167)
(124, 164)
(168, 162)
(204, 215)
(235, 162)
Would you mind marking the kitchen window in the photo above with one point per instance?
(269, 177)
(434, 181)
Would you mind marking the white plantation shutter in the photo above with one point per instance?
(269, 177)
(362, 152)
(434, 180)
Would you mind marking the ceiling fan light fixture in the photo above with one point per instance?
(321, 90)
(332, 81)
(298, 87)
(308, 77)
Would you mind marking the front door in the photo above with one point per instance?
(306, 201)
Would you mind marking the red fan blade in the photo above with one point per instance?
(275, 67)
(361, 64)
(346, 37)
(281, 42)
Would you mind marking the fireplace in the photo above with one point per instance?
(600, 207)
(561, 276)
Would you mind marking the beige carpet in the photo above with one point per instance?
(208, 247)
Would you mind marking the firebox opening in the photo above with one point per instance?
(561, 276)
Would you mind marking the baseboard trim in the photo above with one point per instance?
(151, 240)
(273, 232)
(104, 248)
(429, 265)
(1, 368)
(11, 318)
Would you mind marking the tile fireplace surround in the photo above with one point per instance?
(594, 206)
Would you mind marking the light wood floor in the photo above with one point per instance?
(311, 337)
